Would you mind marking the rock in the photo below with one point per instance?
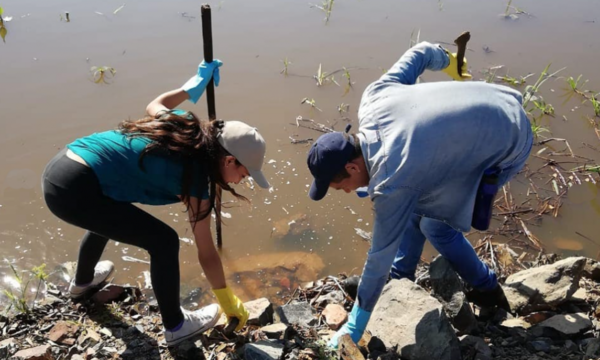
(579, 296)
(591, 270)
(297, 313)
(517, 322)
(62, 331)
(571, 347)
(538, 317)
(351, 286)
(36, 353)
(109, 293)
(568, 324)
(190, 350)
(261, 311)
(7, 348)
(263, 350)
(50, 300)
(407, 317)
(77, 357)
(593, 348)
(448, 289)
(274, 331)
(89, 338)
(335, 315)
(541, 344)
(480, 346)
(334, 297)
(547, 285)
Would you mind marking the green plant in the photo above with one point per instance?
(414, 40)
(311, 102)
(286, 63)
(3, 30)
(326, 6)
(343, 108)
(39, 272)
(595, 104)
(514, 81)
(576, 85)
(538, 129)
(543, 107)
(322, 77)
(531, 90)
(349, 82)
(507, 11)
(17, 300)
(100, 74)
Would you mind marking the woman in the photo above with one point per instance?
(163, 158)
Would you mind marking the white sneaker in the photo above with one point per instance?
(102, 271)
(194, 323)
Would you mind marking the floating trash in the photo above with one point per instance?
(134, 260)
(364, 234)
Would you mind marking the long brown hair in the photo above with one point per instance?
(195, 141)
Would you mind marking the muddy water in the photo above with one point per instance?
(47, 100)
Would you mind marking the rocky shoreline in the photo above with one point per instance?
(554, 306)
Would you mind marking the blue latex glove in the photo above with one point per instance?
(197, 84)
(355, 327)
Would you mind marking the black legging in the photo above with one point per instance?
(73, 193)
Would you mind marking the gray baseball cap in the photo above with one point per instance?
(248, 146)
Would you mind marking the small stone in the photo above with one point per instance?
(591, 270)
(568, 324)
(580, 295)
(537, 317)
(263, 350)
(77, 357)
(593, 348)
(62, 331)
(477, 343)
(108, 294)
(36, 353)
(106, 332)
(334, 297)
(335, 315)
(89, 338)
(448, 289)
(297, 313)
(7, 348)
(570, 346)
(540, 344)
(274, 331)
(261, 311)
(517, 322)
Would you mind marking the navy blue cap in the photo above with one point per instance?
(326, 158)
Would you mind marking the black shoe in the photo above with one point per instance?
(490, 298)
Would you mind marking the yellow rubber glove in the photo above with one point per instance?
(452, 69)
(232, 306)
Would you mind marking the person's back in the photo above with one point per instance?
(115, 159)
(438, 139)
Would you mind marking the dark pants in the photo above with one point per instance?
(73, 193)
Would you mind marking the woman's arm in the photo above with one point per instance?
(207, 253)
(167, 101)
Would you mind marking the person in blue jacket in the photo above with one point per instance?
(422, 151)
(169, 156)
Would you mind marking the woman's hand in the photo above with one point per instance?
(232, 306)
(196, 85)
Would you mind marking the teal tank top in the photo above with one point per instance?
(114, 157)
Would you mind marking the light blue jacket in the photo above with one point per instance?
(426, 147)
